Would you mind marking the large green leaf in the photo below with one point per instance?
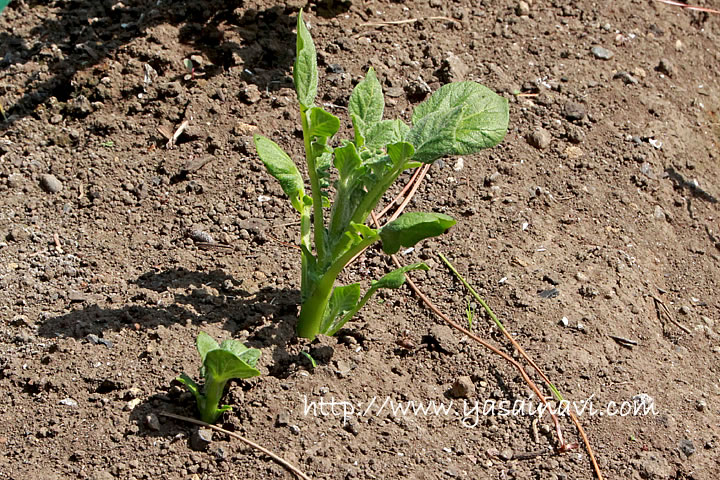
(385, 132)
(366, 105)
(343, 300)
(305, 72)
(281, 166)
(410, 228)
(458, 119)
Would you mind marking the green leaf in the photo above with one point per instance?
(400, 152)
(386, 132)
(342, 301)
(322, 123)
(305, 72)
(205, 343)
(396, 278)
(458, 119)
(410, 228)
(191, 385)
(281, 166)
(366, 105)
(247, 355)
(223, 365)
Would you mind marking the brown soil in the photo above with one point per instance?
(103, 286)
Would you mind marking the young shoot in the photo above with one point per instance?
(458, 119)
(220, 364)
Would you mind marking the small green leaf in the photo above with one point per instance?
(312, 360)
(191, 385)
(410, 228)
(400, 152)
(342, 301)
(281, 166)
(223, 365)
(305, 72)
(205, 343)
(396, 278)
(386, 132)
(458, 119)
(366, 104)
(322, 123)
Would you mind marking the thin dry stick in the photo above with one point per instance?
(409, 20)
(252, 444)
(689, 7)
(669, 315)
(423, 171)
(409, 185)
(516, 345)
(562, 446)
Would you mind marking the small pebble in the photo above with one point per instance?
(522, 9)
(575, 111)
(666, 67)
(602, 53)
(540, 138)
(701, 405)
(687, 447)
(152, 422)
(50, 183)
(69, 402)
(282, 419)
(507, 454)
(564, 322)
(201, 439)
(463, 387)
(659, 213)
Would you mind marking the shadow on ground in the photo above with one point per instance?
(84, 34)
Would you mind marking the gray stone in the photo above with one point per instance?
(507, 454)
(575, 111)
(17, 234)
(666, 67)
(540, 138)
(50, 183)
(522, 8)
(463, 387)
(251, 94)
(659, 213)
(201, 439)
(445, 338)
(687, 447)
(602, 53)
(282, 419)
(626, 78)
(453, 69)
(152, 422)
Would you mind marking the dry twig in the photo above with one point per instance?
(250, 443)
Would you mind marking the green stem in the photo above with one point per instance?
(368, 204)
(319, 226)
(313, 309)
(209, 406)
(497, 321)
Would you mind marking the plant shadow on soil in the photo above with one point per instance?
(215, 300)
(86, 34)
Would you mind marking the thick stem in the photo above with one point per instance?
(209, 410)
(313, 309)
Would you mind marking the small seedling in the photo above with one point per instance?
(309, 357)
(220, 364)
(458, 119)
